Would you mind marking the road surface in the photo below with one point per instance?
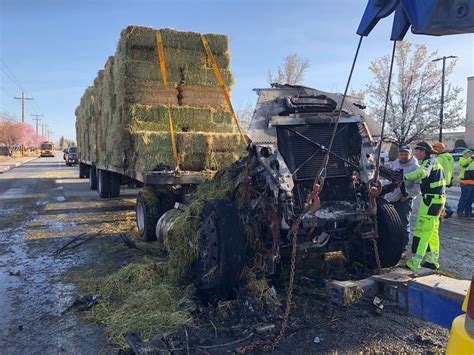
(42, 206)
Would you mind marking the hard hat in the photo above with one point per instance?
(466, 151)
(439, 147)
(425, 146)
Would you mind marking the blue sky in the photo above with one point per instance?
(55, 47)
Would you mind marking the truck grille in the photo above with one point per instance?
(296, 150)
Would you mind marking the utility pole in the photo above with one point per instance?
(441, 111)
(37, 119)
(44, 127)
(22, 98)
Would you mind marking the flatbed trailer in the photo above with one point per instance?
(165, 185)
(162, 177)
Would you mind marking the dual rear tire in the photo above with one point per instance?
(108, 183)
(83, 170)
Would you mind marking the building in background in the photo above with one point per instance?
(469, 135)
(449, 138)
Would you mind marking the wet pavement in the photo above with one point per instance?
(33, 298)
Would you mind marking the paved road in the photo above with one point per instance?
(33, 299)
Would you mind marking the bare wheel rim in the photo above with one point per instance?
(140, 217)
(210, 235)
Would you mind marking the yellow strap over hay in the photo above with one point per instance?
(210, 56)
(160, 52)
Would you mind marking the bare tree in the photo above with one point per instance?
(244, 114)
(292, 72)
(414, 101)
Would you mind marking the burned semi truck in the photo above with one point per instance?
(269, 203)
(290, 133)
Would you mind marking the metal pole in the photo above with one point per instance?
(441, 110)
(37, 119)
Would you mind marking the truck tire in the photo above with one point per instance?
(93, 178)
(83, 170)
(389, 242)
(221, 252)
(115, 183)
(103, 183)
(150, 206)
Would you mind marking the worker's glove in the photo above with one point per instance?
(389, 188)
(398, 176)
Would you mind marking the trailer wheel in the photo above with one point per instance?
(93, 178)
(389, 242)
(103, 183)
(83, 170)
(115, 182)
(150, 206)
(222, 251)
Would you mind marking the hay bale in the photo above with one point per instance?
(142, 70)
(177, 57)
(147, 92)
(202, 96)
(196, 151)
(126, 122)
(142, 36)
(185, 119)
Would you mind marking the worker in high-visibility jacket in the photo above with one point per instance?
(466, 177)
(447, 162)
(425, 243)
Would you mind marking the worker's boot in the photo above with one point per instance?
(411, 265)
(431, 266)
(448, 214)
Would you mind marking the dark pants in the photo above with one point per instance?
(466, 200)
(404, 210)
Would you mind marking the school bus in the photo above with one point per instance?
(47, 149)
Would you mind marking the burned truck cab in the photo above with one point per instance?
(290, 133)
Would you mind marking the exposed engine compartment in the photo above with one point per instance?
(290, 131)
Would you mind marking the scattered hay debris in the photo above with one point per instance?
(144, 299)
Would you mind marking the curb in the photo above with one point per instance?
(15, 165)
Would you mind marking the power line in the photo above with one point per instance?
(14, 78)
(6, 69)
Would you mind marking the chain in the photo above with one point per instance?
(289, 298)
(291, 284)
(376, 248)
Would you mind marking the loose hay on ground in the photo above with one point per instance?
(142, 298)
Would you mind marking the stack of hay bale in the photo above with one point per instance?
(124, 116)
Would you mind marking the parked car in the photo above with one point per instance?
(70, 156)
(456, 153)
